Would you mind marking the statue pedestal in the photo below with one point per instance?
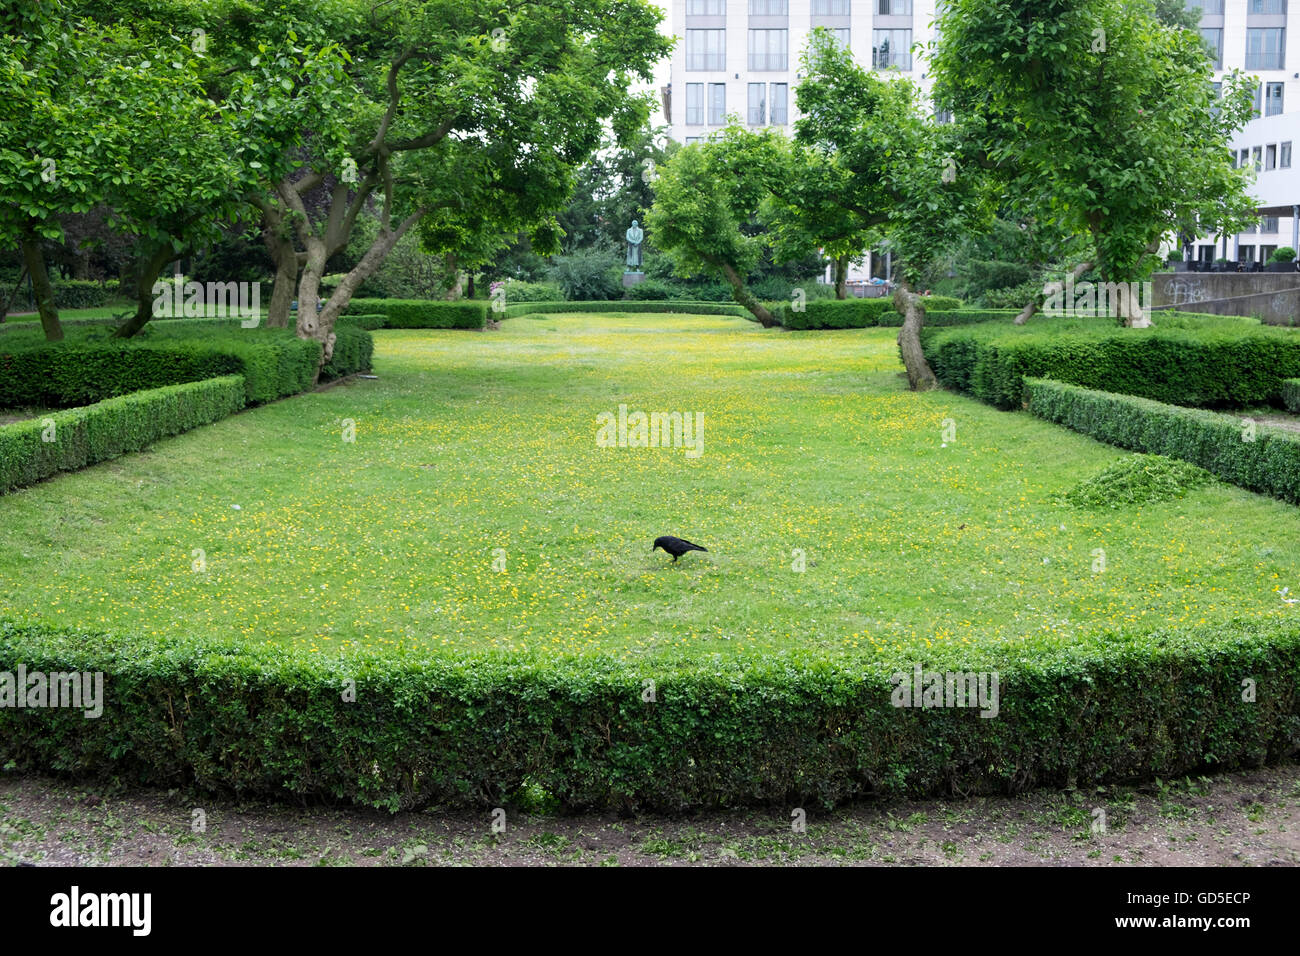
(632, 278)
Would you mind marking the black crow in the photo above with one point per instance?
(675, 546)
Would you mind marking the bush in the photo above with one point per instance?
(1265, 459)
(81, 294)
(801, 729)
(517, 291)
(1202, 361)
(89, 366)
(1291, 395)
(590, 274)
(424, 314)
(687, 308)
(1137, 480)
(854, 313)
(650, 290)
(353, 350)
(368, 322)
(1282, 254)
(65, 441)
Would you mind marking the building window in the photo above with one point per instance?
(1245, 158)
(769, 8)
(717, 104)
(1266, 6)
(694, 104)
(891, 48)
(767, 49)
(1265, 252)
(706, 50)
(757, 104)
(1258, 155)
(1268, 225)
(1213, 39)
(841, 35)
(1270, 156)
(830, 8)
(1265, 48)
(780, 98)
(1245, 253)
(692, 139)
(1284, 155)
(1273, 98)
(894, 8)
(705, 8)
(1213, 8)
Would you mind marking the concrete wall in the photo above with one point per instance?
(1273, 297)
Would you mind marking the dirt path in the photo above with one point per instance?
(1242, 819)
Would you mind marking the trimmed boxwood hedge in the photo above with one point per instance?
(797, 729)
(1263, 459)
(423, 314)
(1203, 362)
(670, 307)
(854, 313)
(84, 369)
(107, 429)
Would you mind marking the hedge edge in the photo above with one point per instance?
(1257, 458)
(33, 450)
(476, 730)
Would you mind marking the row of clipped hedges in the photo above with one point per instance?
(798, 730)
(619, 305)
(1197, 361)
(854, 313)
(68, 294)
(422, 313)
(31, 451)
(88, 368)
(1263, 459)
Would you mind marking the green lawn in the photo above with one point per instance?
(472, 442)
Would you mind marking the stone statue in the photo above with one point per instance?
(634, 236)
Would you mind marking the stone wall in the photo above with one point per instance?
(1273, 297)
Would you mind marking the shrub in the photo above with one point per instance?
(80, 294)
(1291, 394)
(586, 275)
(369, 322)
(353, 350)
(517, 291)
(672, 307)
(65, 441)
(650, 290)
(1203, 361)
(1282, 254)
(424, 314)
(854, 313)
(476, 730)
(89, 366)
(1136, 480)
(1263, 459)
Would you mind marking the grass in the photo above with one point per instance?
(468, 443)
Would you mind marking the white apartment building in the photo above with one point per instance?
(1253, 36)
(742, 57)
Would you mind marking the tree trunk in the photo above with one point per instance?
(9, 302)
(842, 277)
(150, 269)
(920, 376)
(1035, 303)
(469, 286)
(746, 298)
(321, 326)
(34, 260)
(285, 257)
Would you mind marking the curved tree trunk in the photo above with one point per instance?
(34, 261)
(920, 376)
(150, 268)
(1032, 307)
(746, 298)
